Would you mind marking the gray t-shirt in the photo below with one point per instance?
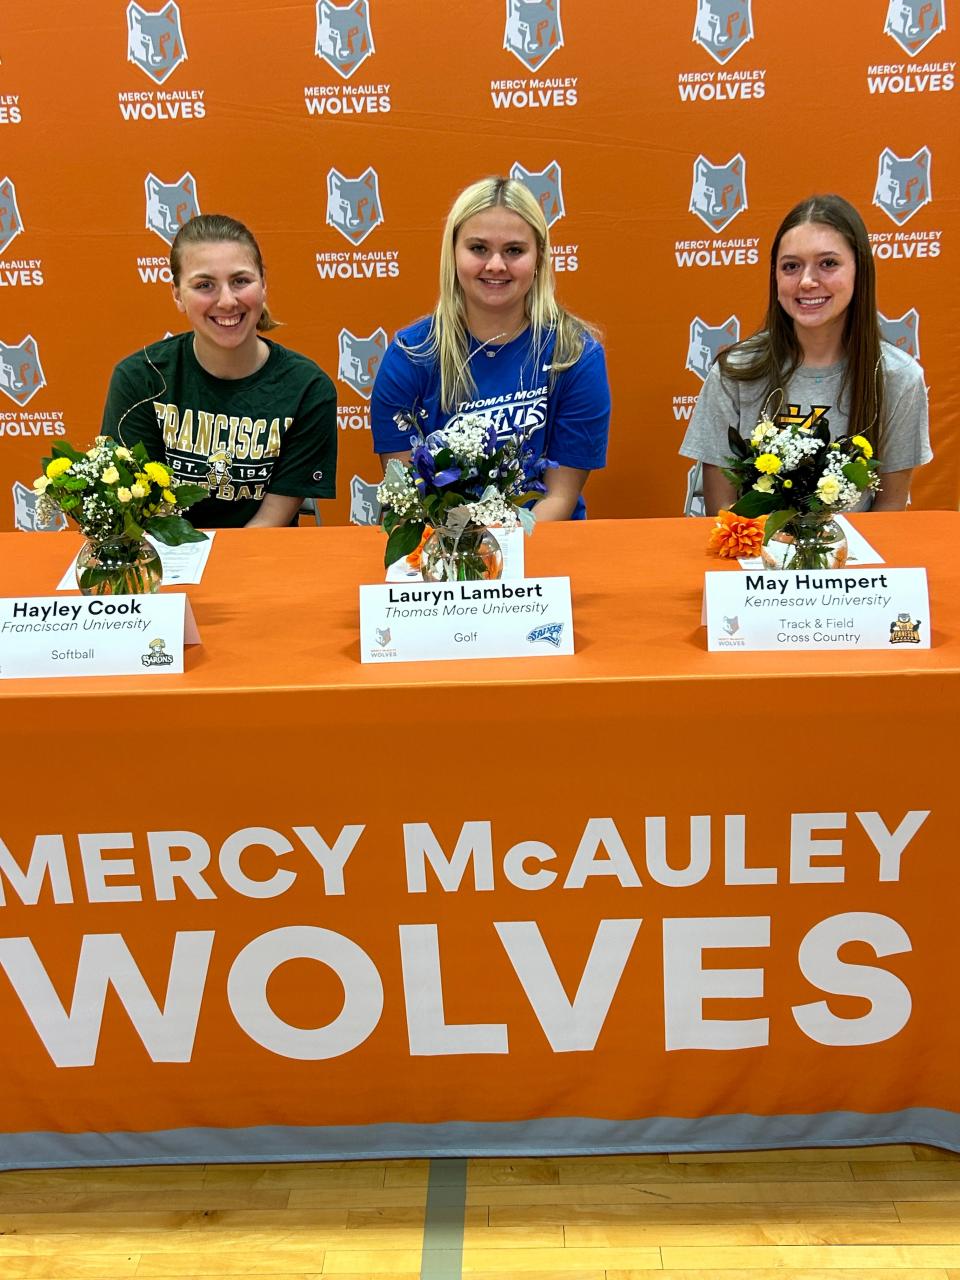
(813, 395)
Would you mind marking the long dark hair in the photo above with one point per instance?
(773, 354)
(215, 228)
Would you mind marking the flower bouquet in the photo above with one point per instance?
(799, 479)
(460, 480)
(115, 495)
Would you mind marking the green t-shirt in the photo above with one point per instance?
(274, 431)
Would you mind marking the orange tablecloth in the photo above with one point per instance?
(642, 897)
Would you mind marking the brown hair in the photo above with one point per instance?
(215, 228)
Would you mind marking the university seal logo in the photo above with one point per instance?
(364, 503)
(719, 192)
(155, 41)
(25, 512)
(902, 331)
(359, 359)
(722, 27)
(903, 184)
(533, 31)
(914, 23)
(21, 374)
(545, 187)
(353, 204)
(344, 38)
(706, 343)
(11, 224)
(170, 206)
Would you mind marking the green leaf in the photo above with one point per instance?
(187, 494)
(776, 521)
(753, 504)
(857, 473)
(63, 449)
(130, 527)
(738, 445)
(389, 521)
(173, 531)
(404, 539)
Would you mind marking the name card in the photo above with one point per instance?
(429, 621)
(94, 635)
(811, 610)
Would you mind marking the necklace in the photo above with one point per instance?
(491, 351)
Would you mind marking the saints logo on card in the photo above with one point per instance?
(719, 191)
(544, 186)
(364, 503)
(707, 342)
(170, 205)
(158, 656)
(21, 374)
(359, 359)
(533, 32)
(353, 204)
(549, 633)
(11, 224)
(904, 630)
(903, 184)
(722, 27)
(26, 517)
(914, 23)
(902, 331)
(155, 41)
(344, 38)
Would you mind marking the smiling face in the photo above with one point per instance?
(496, 260)
(815, 274)
(221, 292)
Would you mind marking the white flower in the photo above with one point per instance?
(764, 484)
(137, 490)
(110, 476)
(125, 454)
(40, 484)
(828, 489)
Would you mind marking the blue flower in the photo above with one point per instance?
(446, 477)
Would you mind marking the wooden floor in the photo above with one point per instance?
(887, 1213)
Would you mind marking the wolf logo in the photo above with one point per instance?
(723, 26)
(706, 343)
(353, 204)
(902, 331)
(914, 23)
(170, 206)
(383, 636)
(11, 224)
(360, 359)
(731, 625)
(155, 41)
(344, 38)
(21, 374)
(719, 192)
(545, 187)
(903, 184)
(533, 31)
(364, 503)
(25, 514)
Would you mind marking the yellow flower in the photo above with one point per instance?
(139, 491)
(40, 484)
(864, 445)
(157, 473)
(124, 494)
(828, 489)
(768, 463)
(764, 484)
(788, 484)
(168, 497)
(142, 478)
(57, 466)
(110, 476)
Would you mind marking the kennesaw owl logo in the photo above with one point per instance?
(364, 503)
(903, 184)
(344, 38)
(902, 331)
(723, 26)
(353, 204)
(154, 40)
(25, 515)
(533, 31)
(170, 206)
(21, 374)
(11, 224)
(706, 343)
(914, 23)
(219, 463)
(545, 187)
(360, 359)
(719, 192)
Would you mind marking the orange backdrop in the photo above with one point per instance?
(115, 121)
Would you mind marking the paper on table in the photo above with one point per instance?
(182, 564)
(511, 544)
(859, 550)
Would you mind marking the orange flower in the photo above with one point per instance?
(413, 559)
(734, 536)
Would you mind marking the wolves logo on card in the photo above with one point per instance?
(154, 40)
(719, 192)
(21, 374)
(903, 185)
(364, 503)
(706, 343)
(903, 331)
(914, 23)
(731, 625)
(25, 512)
(383, 636)
(11, 224)
(353, 204)
(360, 359)
(344, 38)
(545, 187)
(169, 207)
(533, 31)
(723, 26)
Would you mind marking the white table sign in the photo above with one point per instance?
(810, 610)
(94, 635)
(427, 621)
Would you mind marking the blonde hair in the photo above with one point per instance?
(216, 228)
(448, 338)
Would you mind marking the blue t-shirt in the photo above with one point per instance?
(568, 423)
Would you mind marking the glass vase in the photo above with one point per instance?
(118, 567)
(813, 540)
(461, 555)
